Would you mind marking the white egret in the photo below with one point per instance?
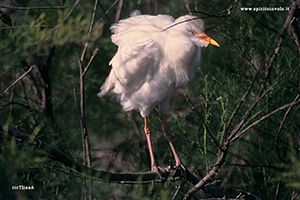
(156, 54)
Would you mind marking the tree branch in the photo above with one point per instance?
(90, 31)
(221, 159)
(128, 177)
(16, 81)
(295, 25)
(63, 158)
(34, 8)
(204, 124)
(263, 118)
(280, 127)
(271, 58)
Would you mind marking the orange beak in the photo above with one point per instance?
(204, 37)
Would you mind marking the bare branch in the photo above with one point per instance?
(204, 124)
(118, 12)
(186, 4)
(221, 159)
(241, 101)
(34, 8)
(128, 177)
(90, 62)
(85, 137)
(16, 81)
(280, 127)
(63, 158)
(251, 108)
(90, 31)
(209, 176)
(228, 10)
(295, 25)
(2, 106)
(108, 10)
(271, 59)
(56, 27)
(263, 118)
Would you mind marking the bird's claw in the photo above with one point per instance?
(157, 170)
(180, 171)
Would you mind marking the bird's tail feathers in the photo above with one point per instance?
(107, 86)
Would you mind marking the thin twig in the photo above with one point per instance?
(178, 189)
(90, 31)
(242, 100)
(280, 127)
(255, 166)
(2, 106)
(263, 118)
(85, 137)
(221, 159)
(108, 10)
(24, 27)
(16, 81)
(186, 4)
(68, 161)
(85, 145)
(209, 176)
(271, 59)
(204, 124)
(277, 193)
(118, 12)
(295, 25)
(34, 8)
(57, 26)
(125, 178)
(273, 54)
(90, 61)
(251, 108)
(228, 10)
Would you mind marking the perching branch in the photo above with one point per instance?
(129, 177)
(66, 160)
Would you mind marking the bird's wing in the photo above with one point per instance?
(135, 64)
(138, 55)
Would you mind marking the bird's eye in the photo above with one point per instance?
(193, 32)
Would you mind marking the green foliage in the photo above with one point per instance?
(45, 103)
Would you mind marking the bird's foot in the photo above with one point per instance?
(157, 170)
(177, 166)
(180, 171)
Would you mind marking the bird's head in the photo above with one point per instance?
(194, 27)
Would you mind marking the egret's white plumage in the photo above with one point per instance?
(151, 61)
(156, 54)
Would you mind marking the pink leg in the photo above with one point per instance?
(164, 129)
(147, 132)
